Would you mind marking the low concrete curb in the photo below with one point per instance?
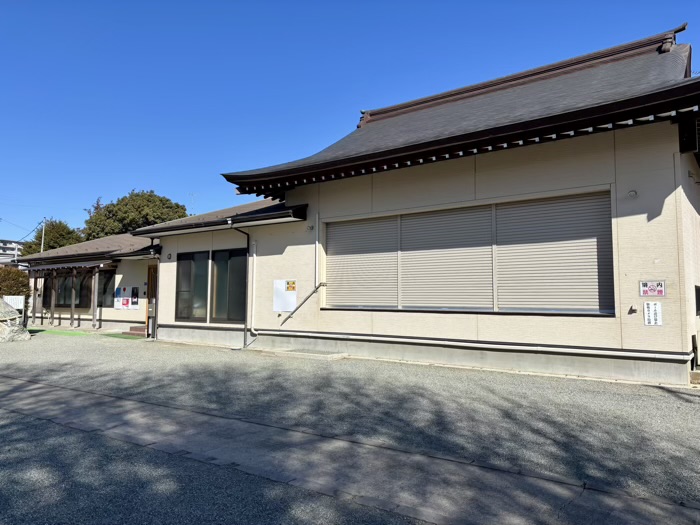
(310, 354)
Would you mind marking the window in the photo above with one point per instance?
(105, 286)
(446, 259)
(228, 285)
(83, 289)
(555, 255)
(547, 255)
(191, 286)
(362, 263)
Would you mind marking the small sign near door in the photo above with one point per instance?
(126, 298)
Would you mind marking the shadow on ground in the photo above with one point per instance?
(51, 474)
(621, 437)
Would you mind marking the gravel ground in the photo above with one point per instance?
(640, 438)
(51, 474)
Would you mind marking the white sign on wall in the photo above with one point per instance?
(652, 288)
(284, 295)
(652, 314)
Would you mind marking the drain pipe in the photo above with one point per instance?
(247, 274)
(252, 292)
(316, 255)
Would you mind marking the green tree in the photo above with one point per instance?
(14, 282)
(136, 210)
(57, 235)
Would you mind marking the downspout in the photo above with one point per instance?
(316, 255)
(252, 293)
(154, 335)
(247, 275)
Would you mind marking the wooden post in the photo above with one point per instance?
(53, 296)
(72, 296)
(34, 298)
(94, 297)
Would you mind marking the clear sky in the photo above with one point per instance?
(99, 97)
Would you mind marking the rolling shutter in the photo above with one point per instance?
(446, 259)
(555, 255)
(361, 263)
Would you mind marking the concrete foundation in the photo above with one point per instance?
(228, 336)
(647, 370)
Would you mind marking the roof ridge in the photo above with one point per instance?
(662, 42)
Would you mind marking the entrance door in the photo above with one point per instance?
(151, 295)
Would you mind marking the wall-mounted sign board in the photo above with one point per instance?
(652, 288)
(284, 295)
(126, 298)
(652, 314)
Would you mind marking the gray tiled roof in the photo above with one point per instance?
(604, 77)
(250, 209)
(112, 245)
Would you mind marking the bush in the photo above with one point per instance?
(14, 282)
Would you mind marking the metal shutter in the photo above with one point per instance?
(361, 263)
(446, 259)
(555, 255)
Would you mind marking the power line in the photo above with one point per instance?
(13, 224)
(35, 228)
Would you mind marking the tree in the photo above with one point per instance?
(57, 234)
(14, 282)
(136, 210)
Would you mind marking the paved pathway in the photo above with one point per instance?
(431, 488)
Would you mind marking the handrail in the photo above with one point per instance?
(302, 303)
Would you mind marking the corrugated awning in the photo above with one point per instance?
(87, 264)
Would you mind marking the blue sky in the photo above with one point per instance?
(100, 97)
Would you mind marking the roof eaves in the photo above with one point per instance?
(291, 211)
(149, 250)
(67, 258)
(686, 92)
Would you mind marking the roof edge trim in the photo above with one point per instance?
(295, 212)
(662, 41)
(89, 255)
(652, 107)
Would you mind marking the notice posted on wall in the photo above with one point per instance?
(652, 288)
(134, 298)
(284, 295)
(126, 298)
(652, 314)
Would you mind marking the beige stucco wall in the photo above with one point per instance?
(193, 242)
(130, 272)
(688, 180)
(647, 242)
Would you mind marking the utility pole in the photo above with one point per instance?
(43, 230)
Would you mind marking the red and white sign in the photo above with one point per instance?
(652, 288)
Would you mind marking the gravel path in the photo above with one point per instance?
(51, 474)
(639, 438)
